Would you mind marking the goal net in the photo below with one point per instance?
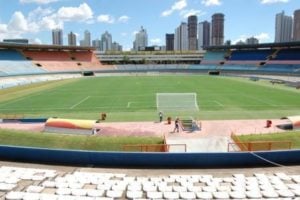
(176, 101)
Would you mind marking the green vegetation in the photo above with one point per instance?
(61, 141)
(292, 136)
(133, 98)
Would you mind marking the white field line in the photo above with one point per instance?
(80, 102)
(218, 103)
(129, 103)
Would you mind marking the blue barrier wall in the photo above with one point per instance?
(162, 160)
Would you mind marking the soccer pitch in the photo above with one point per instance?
(133, 98)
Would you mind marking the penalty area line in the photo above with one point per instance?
(80, 102)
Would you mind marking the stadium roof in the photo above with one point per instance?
(9, 45)
(255, 46)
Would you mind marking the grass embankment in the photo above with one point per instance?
(292, 136)
(75, 142)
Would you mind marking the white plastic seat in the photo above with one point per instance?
(194, 188)
(296, 192)
(154, 195)
(187, 195)
(293, 186)
(49, 184)
(285, 193)
(48, 197)
(254, 194)
(31, 196)
(204, 195)
(78, 192)
(95, 193)
(104, 187)
(164, 188)
(237, 195)
(221, 195)
(283, 176)
(170, 195)
(74, 185)
(149, 188)
(6, 186)
(114, 193)
(177, 188)
(134, 187)
(63, 191)
(134, 194)
(35, 189)
(270, 194)
(209, 189)
(14, 196)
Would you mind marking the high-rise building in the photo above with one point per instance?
(296, 34)
(203, 34)
(57, 36)
(192, 32)
(181, 42)
(170, 42)
(106, 40)
(252, 40)
(97, 44)
(141, 40)
(283, 28)
(86, 39)
(217, 29)
(71, 39)
(116, 46)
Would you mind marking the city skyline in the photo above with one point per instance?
(35, 19)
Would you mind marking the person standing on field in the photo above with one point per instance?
(160, 116)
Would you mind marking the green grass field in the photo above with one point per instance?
(133, 98)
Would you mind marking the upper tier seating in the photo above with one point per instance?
(58, 61)
(8, 54)
(288, 54)
(250, 55)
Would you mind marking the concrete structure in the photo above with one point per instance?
(217, 32)
(192, 32)
(71, 39)
(283, 28)
(181, 38)
(141, 40)
(18, 41)
(57, 37)
(296, 34)
(203, 34)
(106, 40)
(170, 42)
(252, 40)
(86, 40)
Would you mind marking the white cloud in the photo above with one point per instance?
(3, 28)
(81, 13)
(273, 1)
(106, 19)
(211, 2)
(18, 23)
(38, 1)
(123, 19)
(155, 41)
(134, 32)
(124, 34)
(177, 6)
(35, 41)
(262, 37)
(187, 13)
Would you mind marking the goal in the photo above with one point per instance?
(176, 102)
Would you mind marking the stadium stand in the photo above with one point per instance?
(214, 57)
(12, 62)
(53, 184)
(245, 55)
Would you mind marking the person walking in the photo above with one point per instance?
(176, 128)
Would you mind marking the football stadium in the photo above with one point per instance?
(238, 108)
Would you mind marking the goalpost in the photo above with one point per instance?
(176, 102)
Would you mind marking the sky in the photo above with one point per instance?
(34, 19)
